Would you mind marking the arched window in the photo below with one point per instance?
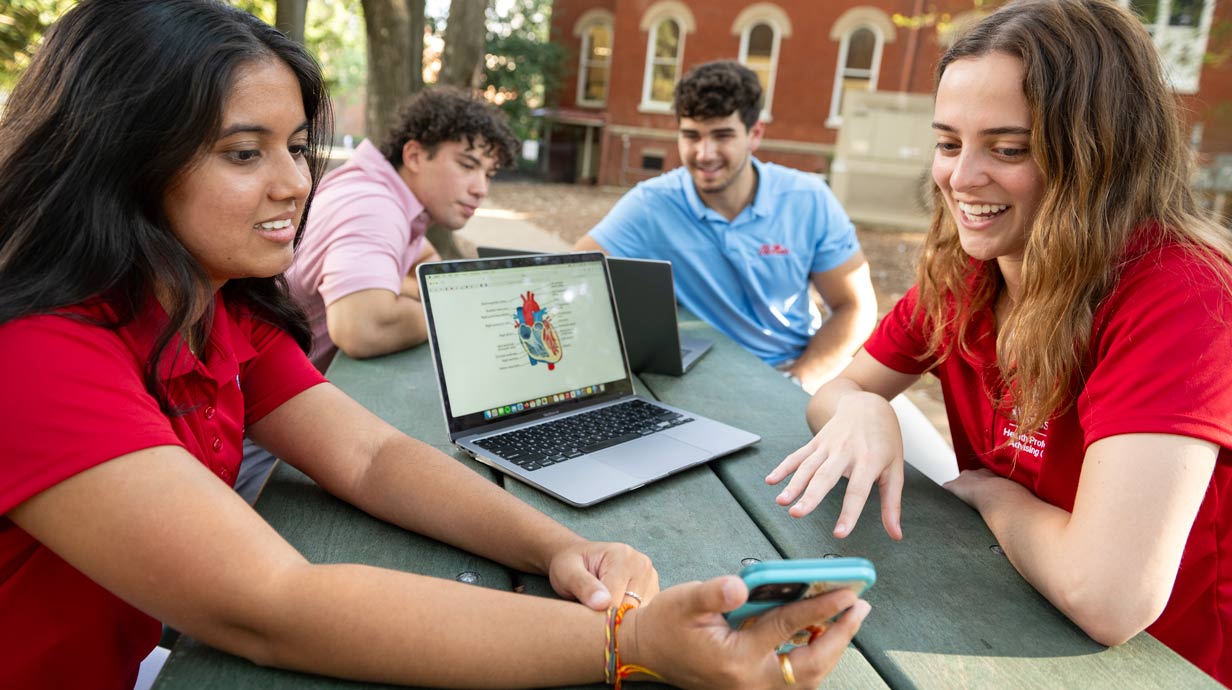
(859, 61)
(595, 64)
(759, 51)
(762, 27)
(663, 56)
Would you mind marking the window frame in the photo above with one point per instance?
(1162, 34)
(584, 63)
(745, 35)
(835, 118)
(648, 104)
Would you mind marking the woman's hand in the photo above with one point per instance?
(862, 442)
(599, 573)
(684, 637)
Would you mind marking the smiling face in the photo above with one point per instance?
(237, 206)
(451, 181)
(716, 151)
(983, 163)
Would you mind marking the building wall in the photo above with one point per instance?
(797, 133)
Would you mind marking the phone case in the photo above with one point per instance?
(821, 575)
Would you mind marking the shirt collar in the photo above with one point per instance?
(369, 158)
(225, 347)
(760, 207)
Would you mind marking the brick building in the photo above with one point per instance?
(612, 121)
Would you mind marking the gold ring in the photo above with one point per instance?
(789, 675)
(634, 597)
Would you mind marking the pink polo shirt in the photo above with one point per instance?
(365, 230)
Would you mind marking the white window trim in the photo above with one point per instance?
(584, 64)
(835, 118)
(768, 94)
(649, 105)
(1183, 84)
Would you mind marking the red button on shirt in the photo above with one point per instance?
(217, 444)
(209, 412)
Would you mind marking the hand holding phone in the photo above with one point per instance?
(775, 583)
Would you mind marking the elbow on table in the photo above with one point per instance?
(1111, 614)
(361, 341)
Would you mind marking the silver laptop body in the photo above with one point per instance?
(523, 346)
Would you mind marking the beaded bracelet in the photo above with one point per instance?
(614, 672)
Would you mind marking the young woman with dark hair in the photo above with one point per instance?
(1075, 302)
(156, 164)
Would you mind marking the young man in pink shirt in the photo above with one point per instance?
(354, 270)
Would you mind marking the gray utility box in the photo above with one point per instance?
(881, 169)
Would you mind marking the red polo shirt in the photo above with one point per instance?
(75, 398)
(1159, 363)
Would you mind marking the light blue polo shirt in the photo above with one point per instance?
(749, 277)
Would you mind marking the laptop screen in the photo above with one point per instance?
(517, 336)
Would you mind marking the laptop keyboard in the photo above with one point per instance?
(563, 439)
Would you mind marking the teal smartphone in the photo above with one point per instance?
(774, 583)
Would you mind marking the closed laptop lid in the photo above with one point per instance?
(521, 338)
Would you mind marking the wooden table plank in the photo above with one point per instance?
(948, 610)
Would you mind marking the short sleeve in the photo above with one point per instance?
(837, 241)
(1161, 354)
(74, 397)
(278, 372)
(622, 232)
(369, 239)
(900, 340)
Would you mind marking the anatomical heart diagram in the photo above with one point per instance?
(536, 333)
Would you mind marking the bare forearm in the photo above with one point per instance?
(824, 403)
(390, 323)
(832, 346)
(371, 624)
(423, 490)
(1078, 577)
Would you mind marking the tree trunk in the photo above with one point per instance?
(390, 62)
(415, 11)
(465, 38)
(289, 17)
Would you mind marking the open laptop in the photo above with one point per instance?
(646, 303)
(534, 380)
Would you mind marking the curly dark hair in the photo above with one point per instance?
(445, 113)
(718, 89)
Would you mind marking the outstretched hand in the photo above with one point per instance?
(862, 442)
(598, 574)
(684, 636)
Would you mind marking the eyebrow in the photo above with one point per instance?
(256, 129)
(991, 131)
(720, 130)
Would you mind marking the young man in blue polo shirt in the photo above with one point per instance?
(746, 238)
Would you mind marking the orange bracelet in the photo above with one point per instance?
(625, 670)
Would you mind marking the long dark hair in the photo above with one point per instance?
(121, 97)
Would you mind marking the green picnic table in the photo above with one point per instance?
(949, 611)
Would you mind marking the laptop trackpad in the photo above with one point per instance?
(650, 456)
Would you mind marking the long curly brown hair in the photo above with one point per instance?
(1107, 135)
